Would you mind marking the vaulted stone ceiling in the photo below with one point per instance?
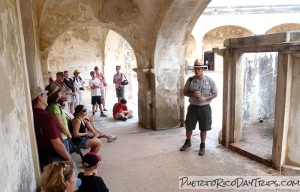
(142, 23)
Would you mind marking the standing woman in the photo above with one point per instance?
(79, 126)
(54, 93)
(60, 176)
(118, 79)
(78, 84)
(100, 76)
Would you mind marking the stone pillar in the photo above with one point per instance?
(146, 99)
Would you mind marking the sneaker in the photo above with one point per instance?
(130, 117)
(112, 138)
(187, 144)
(124, 118)
(103, 115)
(202, 149)
(104, 109)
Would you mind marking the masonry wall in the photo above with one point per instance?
(18, 152)
(259, 86)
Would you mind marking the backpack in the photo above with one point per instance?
(191, 79)
(70, 126)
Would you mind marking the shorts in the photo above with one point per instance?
(201, 114)
(103, 92)
(71, 98)
(84, 140)
(120, 92)
(96, 99)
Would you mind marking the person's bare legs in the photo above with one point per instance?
(94, 109)
(98, 134)
(188, 134)
(129, 115)
(103, 103)
(95, 144)
(120, 115)
(203, 136)
(71, 107)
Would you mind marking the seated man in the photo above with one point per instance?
(48, 136)
(90, 181)
(121, 111)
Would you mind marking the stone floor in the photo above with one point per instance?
(257, 141)
(147, 160)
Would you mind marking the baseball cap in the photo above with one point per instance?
(91, 159)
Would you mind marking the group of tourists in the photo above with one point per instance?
(60, 117)
(55, 126)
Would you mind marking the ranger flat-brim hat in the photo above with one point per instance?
(197, 64)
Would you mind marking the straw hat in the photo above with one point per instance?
(36, 91)
(76, 71)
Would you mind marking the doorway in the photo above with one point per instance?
(209, 60)
(257, 77)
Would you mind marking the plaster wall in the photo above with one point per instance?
(259, 86)
(17, 170)
(79, 48)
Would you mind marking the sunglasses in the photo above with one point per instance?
(63, 165)
(83, 110)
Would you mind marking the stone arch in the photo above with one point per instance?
(57, 17)
(190, 55)
(169, 56)
(84, 47)
(119, 52)
(139, 53)
(215, 38)
(284, 27)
